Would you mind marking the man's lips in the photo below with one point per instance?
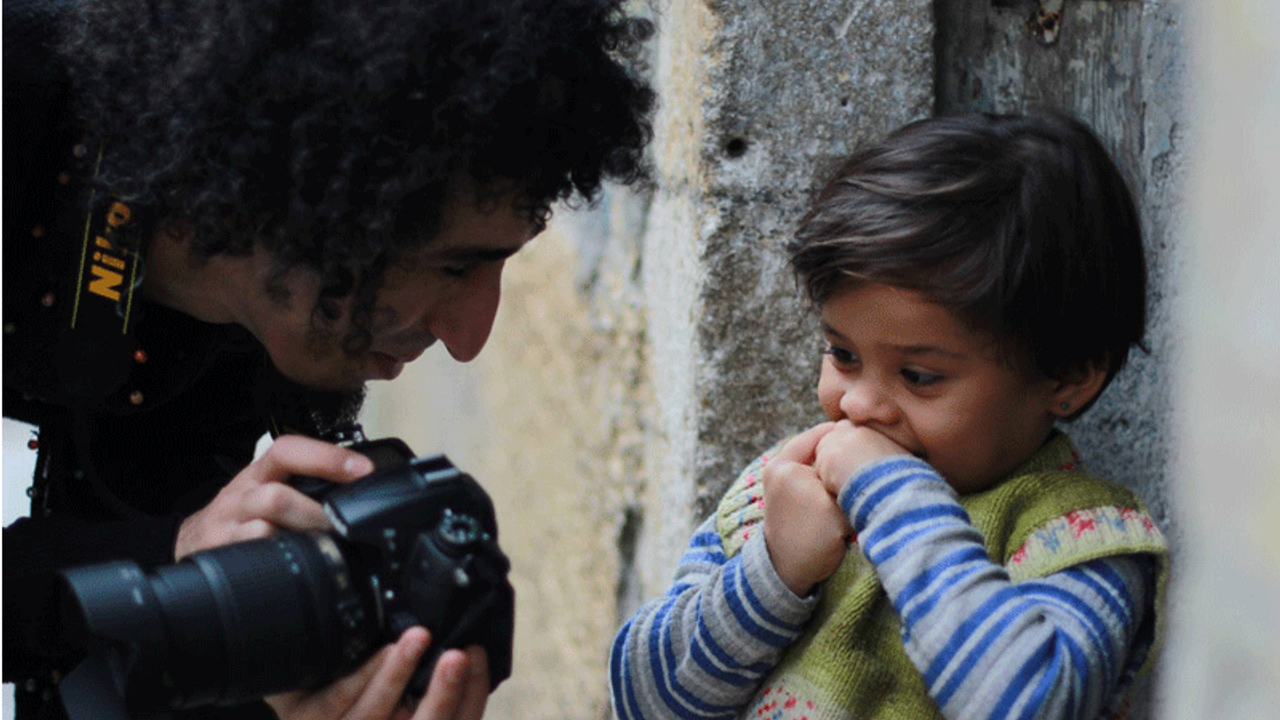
(385, 367)
(389, 365)
(403, 356)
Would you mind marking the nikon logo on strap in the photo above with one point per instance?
(94, 351)
(110, 261)
(103, 273)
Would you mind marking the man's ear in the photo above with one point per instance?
(1078, 387)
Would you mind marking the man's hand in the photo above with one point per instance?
(846, 449)
(258, 501)
(459, 687)
(804, 528)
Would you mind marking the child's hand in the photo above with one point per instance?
(804, 528)
(846, 449)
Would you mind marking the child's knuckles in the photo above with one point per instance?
(773, 474)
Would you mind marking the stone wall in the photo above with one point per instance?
(1223, 658)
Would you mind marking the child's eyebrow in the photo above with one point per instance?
(927, 350)
(911, 350)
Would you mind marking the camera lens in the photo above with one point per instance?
(226, 625)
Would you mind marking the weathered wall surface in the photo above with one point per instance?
(647, 348)
(759, 99)
(1224, 653)
(1118, 65)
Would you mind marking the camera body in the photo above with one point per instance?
(415, 543)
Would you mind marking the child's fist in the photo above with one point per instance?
(804, 528)
(846, 449)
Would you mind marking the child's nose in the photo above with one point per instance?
(866, 401)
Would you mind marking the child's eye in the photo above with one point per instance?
(840, 356)
(919, 378)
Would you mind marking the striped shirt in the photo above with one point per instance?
(986, 647)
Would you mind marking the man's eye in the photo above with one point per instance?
(840, 356)
(457, 271)
(920, 378)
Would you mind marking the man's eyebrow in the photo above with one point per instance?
(476, 254)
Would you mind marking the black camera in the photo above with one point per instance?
(415, 544)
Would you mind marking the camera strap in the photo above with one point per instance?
(94, 351)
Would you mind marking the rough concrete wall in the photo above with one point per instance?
(758, 100)
(1118, 65)
(1225, 645)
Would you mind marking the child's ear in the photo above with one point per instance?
(1078, 387)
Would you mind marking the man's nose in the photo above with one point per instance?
(866, 400)
(463, 325)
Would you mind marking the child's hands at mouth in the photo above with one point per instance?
(846, 449)
(804, 528)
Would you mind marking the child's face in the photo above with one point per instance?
(909, 369)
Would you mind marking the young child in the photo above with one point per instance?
(935, 549)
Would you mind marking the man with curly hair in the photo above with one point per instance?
(224, 217)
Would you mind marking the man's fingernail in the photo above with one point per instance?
(455, 673)
(358, 464)
(417, 645)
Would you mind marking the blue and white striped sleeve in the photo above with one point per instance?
(989, 648)
(699, 651)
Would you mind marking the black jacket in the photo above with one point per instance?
(118, 470)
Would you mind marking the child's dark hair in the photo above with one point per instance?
(1022, 226)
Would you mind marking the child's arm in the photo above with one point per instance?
(701, 650)
(985, 646)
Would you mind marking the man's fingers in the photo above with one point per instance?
(387, 686)
(296, 455)
(476, 693)
(372, 692)
(331, 701)
(252, 530)
(446, 689)
(286, 507)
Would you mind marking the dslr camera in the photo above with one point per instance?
(415, 543)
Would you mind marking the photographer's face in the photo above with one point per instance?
(448, 291)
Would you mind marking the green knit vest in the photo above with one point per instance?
(850, 663)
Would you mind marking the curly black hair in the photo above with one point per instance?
(330, 131)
